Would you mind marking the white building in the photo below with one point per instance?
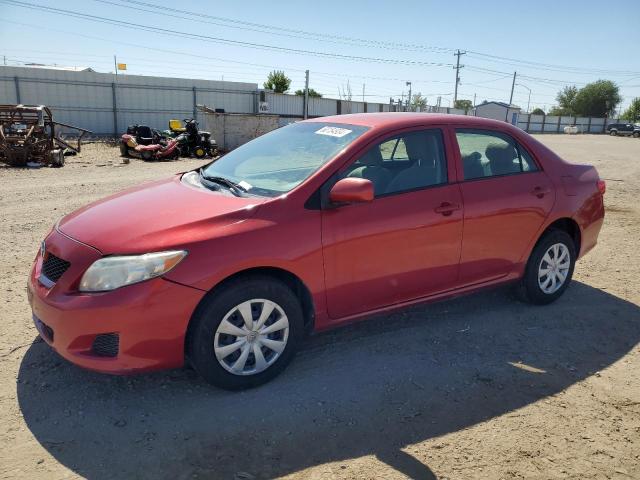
(498, 111)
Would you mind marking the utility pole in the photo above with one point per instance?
(409, 98)
(529, 100)
(115, 65)
(457, 67)
(513, 85)
(306, 94)
(363, 93)
(474, 100)
(5, 60)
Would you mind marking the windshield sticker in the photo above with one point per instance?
(333, 131)
(245, 185)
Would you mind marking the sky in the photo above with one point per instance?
(373, 46)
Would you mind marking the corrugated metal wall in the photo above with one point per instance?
(106, 104)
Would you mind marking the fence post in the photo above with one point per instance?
(589, 125)
(115, 110)
(544, 120)
(559, 120)
(339, 107)
(604, 125)
(17, 82)
(528, 122)
(195, 111)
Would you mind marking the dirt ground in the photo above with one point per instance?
(476, 387)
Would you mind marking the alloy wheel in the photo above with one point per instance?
(251, 337)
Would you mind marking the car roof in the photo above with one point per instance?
(409, 119)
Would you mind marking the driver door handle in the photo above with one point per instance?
(446, 208)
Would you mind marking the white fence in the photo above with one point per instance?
(556, 124)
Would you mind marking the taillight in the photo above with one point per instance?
(602, 186)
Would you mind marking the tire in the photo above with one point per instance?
(215, 322)
(124, 151)
(147, 156)
(57, 158)
(530, 288)
(636, 134)
(613, 133)
(199, 152)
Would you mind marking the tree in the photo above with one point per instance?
(556, 110)
(418, 102)
(566, 99)
(597, 99)
(312, 93)
(465, 105)
(537, 111)
(632, 114)
(566, 102)
(277, 81)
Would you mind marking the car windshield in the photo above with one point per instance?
(280, 160)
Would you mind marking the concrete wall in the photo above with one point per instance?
(232, 130)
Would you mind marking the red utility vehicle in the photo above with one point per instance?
(306, 228)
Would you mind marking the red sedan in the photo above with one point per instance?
(306, 228)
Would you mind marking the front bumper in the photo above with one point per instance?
(149, 319)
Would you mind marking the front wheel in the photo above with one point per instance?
(636, 134)
(613, 133)
(199, 152)
(245, 334)
(549, 269)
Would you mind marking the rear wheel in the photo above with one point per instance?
(613, 133)
(549, 269)
(199, 152)
(146, 155)
(124, 151)
(636, 134)
(246, 333)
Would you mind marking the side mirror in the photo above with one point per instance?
(352, 190)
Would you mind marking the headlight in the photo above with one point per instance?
(110, 273)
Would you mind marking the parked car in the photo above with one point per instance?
(624, 129)
(311, 226)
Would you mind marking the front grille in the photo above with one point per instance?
(106, 345)
(53, 267)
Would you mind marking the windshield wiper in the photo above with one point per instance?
(235, 188)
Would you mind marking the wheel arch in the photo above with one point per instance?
(288, 278)
(568, 225)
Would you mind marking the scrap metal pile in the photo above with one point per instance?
(30, 137)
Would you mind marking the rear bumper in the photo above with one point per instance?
(150, 318)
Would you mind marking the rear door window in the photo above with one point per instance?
(490, 154)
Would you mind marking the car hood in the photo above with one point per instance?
(155, 216)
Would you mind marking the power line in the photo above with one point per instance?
(276, 30)
(207, 38)
(547, 66)
(268, 29)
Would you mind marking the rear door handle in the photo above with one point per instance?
(447, 208)
(540, 191)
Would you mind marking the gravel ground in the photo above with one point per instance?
(476, 387)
